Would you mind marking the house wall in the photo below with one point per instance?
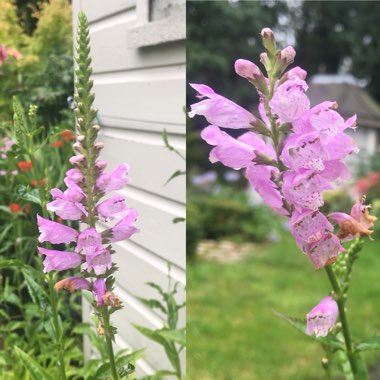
(139, 83)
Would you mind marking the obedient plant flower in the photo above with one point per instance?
(87, 183)
(322, 318)
(358, 223)
(303, 160)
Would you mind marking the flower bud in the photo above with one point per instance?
(265, 61)
(80, 121)
(287, 55)
(101, 164)
(98, 145)
(247, 69)
(77, 146)
(80, 138)
(269, 41)
(96, 127)
(100, 329)
(76, 159)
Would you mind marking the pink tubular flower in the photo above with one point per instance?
(321, 319)
(67, 205)
(59, 260)
(112, 208)
(55, 233)
(99, 289)
(296, 72)
(125, 228)
(260, 179)
(72, 284)
(115, 180)
(229, 151)
(73, 177)
(325, 251)
(309, 227)
(99, 262)
(89, 242)
(219, 110)
(289, 102)
(304, 189)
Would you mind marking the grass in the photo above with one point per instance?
(233, 332)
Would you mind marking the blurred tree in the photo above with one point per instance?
(27, 12)
(333, 34)
(219, 32)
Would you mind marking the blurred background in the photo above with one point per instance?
(243, 263)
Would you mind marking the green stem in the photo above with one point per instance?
(108, 336)
(354, 359)
(52, 295)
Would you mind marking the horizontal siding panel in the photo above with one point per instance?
(154, 225)
(136, 269)
(156, 100)
(104, 8)
(150, 166)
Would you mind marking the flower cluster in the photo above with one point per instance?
(305, 157)
(91, 246)
(5, 53)
(63, 138)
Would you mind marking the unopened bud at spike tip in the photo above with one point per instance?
(287, 55)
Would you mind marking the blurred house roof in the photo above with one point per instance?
(351, 98)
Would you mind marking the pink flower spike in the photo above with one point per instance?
(100, 289)
(124, 229)
(55, 233)
(321, 319)
(325, 251)
(115, 180)
(219, 110)
(99, 262)
(112, 208)
(89, 242)
(59, 260)
(72, 284)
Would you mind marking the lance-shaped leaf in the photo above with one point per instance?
(300, 325)
(259, 126)
(372, 343)
(35, 370)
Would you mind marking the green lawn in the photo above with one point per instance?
(233, 333)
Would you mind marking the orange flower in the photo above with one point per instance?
(15, 208)
(25, 165)
(59, 220)
(42, 182)
(67, 135)
(57, 144)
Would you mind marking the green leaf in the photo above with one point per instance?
(372, 343)
(11, 264)
(300, 325)
(176, 336)
(129, 358)
(178, 220)
(157, 287)
(174, 175)
(152, 304)
(35, 370)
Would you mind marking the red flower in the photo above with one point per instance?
(15, 208)
(57, 144)
(59, 220)
(25, 165)
(42, 182)
(67, 135)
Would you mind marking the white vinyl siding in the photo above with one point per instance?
(139, 83)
